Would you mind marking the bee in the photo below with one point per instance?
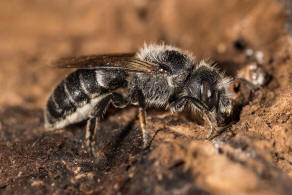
(158, 75)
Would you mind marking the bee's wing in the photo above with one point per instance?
(126, 62)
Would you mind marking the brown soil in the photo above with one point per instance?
(251, 155)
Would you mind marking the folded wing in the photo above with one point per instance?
(125, 62)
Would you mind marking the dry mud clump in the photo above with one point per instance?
(251, 155)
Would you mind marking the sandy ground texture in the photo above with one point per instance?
(251, 155)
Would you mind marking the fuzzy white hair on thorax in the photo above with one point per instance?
(153, 51)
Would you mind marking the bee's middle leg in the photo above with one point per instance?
(117, 100)
(142, 120)
(139, 98)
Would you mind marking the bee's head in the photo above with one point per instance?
(211, 88)
(174, 63)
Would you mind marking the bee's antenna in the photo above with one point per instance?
(245, 81)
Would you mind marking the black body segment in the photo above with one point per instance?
(55, 113)
(62, 101)
(77, 93)
(88, 80)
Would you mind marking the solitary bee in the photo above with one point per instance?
(157, 75)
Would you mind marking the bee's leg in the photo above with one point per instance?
(209, 115)
(142, 120)
(139, 98)
(253, 86)
(92, 123)
(178, 104)
(212, 122)
(117, 100)
(90, 133)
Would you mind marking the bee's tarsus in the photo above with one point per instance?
(90, 134)
(211, 132)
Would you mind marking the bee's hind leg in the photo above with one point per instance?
(90, 133)
(118, 101)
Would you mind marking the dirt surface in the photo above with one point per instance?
(250, 155)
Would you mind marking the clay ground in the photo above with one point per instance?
(251, 155)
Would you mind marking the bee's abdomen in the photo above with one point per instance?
(59, 104)
(76, 96)
(75, 92)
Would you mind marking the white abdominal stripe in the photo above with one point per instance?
(81, 113)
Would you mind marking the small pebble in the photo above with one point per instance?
(254, 73)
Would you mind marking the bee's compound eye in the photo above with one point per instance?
(163, 68)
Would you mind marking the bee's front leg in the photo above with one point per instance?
(179, 104)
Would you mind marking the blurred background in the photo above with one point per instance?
(253, 155)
